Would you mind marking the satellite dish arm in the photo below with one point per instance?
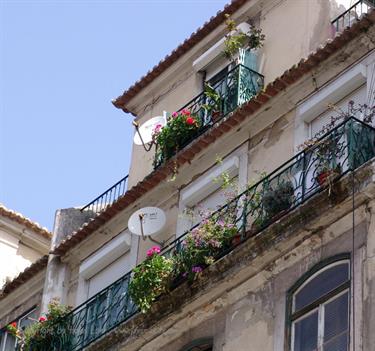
(161, 243)
(149, 145)
(141, 215)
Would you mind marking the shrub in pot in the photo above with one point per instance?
(278, 198)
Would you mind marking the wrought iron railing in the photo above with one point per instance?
(343, 149)
(353, 14)
(108, 197)
(238, 86)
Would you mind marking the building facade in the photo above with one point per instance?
(298, 274)
(24, 248)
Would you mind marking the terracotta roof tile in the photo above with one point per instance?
(19, 218)
(24, 276)
(291, 75)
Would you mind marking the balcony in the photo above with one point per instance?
(352, 15)
(341, 151)
(108, 197)
(236, 87)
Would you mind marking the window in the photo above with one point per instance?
(7, 341)
(204, 193)
(199, 345)
(319, 309)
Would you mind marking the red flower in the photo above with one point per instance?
(42, 319)
(190, 121)
(14, 324)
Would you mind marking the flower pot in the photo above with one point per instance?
(236, 240)
(325, 176)
(215, 115)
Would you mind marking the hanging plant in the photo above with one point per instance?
(181, 127)
(150, 279)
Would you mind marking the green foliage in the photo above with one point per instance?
(278, 198)
(180, 128)
(202, 244)
(236, 39)
(48, 331)
(214, 99)
(150, 279)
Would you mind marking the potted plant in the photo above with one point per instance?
(203, 244)
(49, 332)
(150, 279)
(214, 106)
(181, 127)
(277, 199)
(327, 154)
(236, 39)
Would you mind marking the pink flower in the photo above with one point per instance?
(174, 114)
(157, 128)
(154, 250)
(185, 112)
(42, 319)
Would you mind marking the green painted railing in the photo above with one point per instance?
(237, 86)
(343, 149)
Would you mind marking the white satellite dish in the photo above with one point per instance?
(147, 221)
(144, 133)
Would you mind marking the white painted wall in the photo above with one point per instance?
(14, 256)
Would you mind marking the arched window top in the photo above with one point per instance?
(321, 283)
(199, 345)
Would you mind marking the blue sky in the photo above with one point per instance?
(62, 142)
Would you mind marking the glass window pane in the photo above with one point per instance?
(336, 323)
(320, 285)
(306, 333)
(340, 343)
(10, 343)
(28, 319)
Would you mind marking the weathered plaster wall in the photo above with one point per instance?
(23, 299)
(267, 146)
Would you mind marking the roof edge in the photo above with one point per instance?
(24, 276)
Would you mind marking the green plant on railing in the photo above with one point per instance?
(181, 127)
(214, 105)
(236, 39)
(150, 279)
(277, 199)
(202, 244)
(45, 333)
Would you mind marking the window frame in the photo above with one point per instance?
(198, 344)
(3, 340)
(292, 316)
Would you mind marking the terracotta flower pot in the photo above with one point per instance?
(236, 240)
(323, 177)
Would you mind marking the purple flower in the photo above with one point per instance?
(221, 223)
(197, 269)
